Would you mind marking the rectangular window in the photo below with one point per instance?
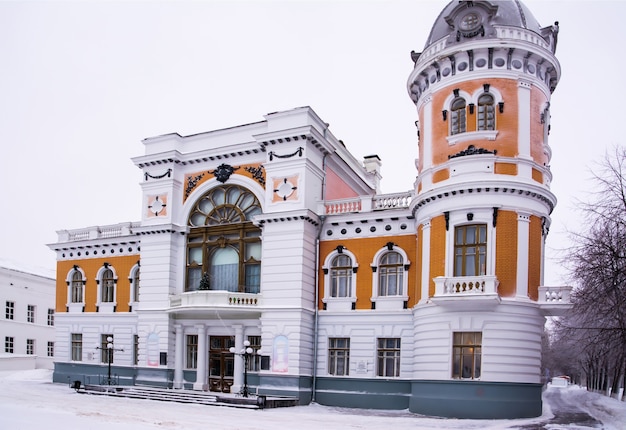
(339, 356)
(30, 314)
(254, 365)
(389, 357)
(192, 351)
(470, 250)
(10, 310)
(466, 355)
(77, 347)
(8, 344)
(106, 353)
(50, 316)
(30, 346)
(50, 349)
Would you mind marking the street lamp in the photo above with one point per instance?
(110, 347)
(245, 353)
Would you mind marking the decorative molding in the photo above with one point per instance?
(258, 174)
(298, 152)
(192, 181)
(147, 175)
(472, 150)
(223, 172)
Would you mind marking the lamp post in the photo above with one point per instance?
(110, 347)
(245, 353)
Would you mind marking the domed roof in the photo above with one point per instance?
(471, 18)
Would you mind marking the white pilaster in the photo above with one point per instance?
(238, 365)
(425, 281)
(523, 108)
(200, 383)
(178, 357)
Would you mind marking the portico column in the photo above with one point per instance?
(238, 367)
(178, 357)
(200, 383)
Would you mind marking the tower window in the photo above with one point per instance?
(457, 116)
(486, 112)
(470, 250)
(466, 355)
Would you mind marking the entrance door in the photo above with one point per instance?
(221, 363)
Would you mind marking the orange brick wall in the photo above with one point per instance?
(122, 266)
(437, 251)
(506, 253)
(534, 258)
(364, 250)
(537, 176)
(505, 169)
(441, 175)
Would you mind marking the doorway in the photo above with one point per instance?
(221, 363)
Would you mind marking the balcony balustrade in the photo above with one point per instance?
(210, 299)
(554, 301)
(467, 292)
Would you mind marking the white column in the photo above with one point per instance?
(238, 365)
(523, 120)
(202, 359)
(426, 135)
(523, 231)
(178, 357)
(425, 262)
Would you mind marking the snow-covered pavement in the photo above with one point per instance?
(28, 400)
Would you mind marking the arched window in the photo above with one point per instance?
(107, 287)
(223, 245)
(136, 285)
(486, 118)
(390, 274)
(457, 116)
(341, 276)
(76, 287)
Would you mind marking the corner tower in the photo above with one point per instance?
(482, 88)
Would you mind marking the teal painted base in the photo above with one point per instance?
(476, 399)
(450, 399)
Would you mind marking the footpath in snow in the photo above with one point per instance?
(28, 400)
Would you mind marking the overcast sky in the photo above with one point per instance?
(83, 82)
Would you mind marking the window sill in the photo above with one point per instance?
(472, 135)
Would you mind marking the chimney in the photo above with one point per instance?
(372, 166)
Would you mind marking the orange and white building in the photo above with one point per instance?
(273, 235)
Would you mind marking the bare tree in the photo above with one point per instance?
(597, 262)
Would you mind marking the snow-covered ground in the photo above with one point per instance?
(28, 400)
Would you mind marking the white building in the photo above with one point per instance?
(27, 326)
(272, 233)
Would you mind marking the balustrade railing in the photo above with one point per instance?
(555, 295)
(366, 204)
(466, 286)
(211, 298)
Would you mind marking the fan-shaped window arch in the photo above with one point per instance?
(223, 245)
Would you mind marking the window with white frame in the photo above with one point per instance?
(192, 351)
(107, 286)
(388, 357)
(30, 313)
(341, 276)
(30, 346)
(50, 349)
(10, 310)
(76, 286)
(254, 364)
(390, 274)
(77, 347)
(486, 115)
(458, 116)
(8, 344)
(135, 282)
(50, 316)
(466, 355)
(470, 250)
(339, 356)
